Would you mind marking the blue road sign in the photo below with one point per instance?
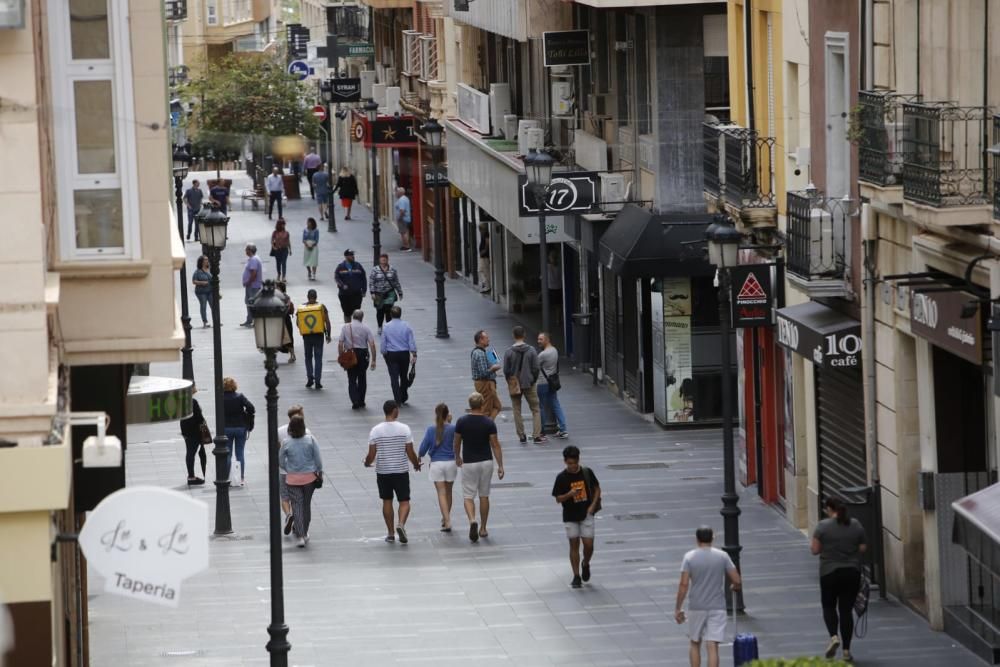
(299, 69)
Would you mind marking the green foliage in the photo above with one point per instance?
(248, 96)
(799, 662)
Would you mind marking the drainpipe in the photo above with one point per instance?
(748, 40)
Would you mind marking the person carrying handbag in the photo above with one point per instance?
(239, 413)
(356, 338)
(385, 289)
(299, 457)
(548, 391)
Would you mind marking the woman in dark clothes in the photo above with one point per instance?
(347, 186)
(191, 430)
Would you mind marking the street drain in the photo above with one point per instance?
(639, 516)
(638, 466)
(511, 485)
(692, 479)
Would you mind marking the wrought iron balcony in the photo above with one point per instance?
(738, 166)
(881, 134)
(944, 158)
(176, 10)
(994, 152)
(818, 236)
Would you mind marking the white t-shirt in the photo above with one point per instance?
(390, 440)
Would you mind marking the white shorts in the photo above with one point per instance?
(476, 479)
(585, 528)
(443, 471)
(707, 626)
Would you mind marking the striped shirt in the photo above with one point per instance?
(390, 440)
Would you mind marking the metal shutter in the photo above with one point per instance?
(840, 428)
(609, 293)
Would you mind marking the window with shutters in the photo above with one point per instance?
(94, 130)
(411, 52)
(428, 58)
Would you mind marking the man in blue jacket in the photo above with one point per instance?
(352, 283)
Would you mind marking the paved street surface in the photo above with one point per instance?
(353, 600)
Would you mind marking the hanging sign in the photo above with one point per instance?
(346, 89)
(569, 191)
(751, 293)
(145, 541)
(566, 47)
(937, 317)
(358, 130)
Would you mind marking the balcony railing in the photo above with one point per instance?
(994, 152)
(882, 136)
(176, 10)
(945, 154)
(737, 165)
(818, 235)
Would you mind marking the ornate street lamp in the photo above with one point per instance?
(212, 225)
(268, 310)
(434, 133)
(371, 112)
(723, 252)
(181, 162)
(538, 166)
(326, 92)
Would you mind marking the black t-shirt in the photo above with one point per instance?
(476, 431)
(575, 509)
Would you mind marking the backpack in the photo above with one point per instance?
(311, 319)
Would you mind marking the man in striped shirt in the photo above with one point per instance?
(390, 444)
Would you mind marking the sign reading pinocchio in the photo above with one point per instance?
(752, 295)
(938, 318)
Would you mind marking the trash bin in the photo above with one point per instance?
(860, 502)
(291, 186)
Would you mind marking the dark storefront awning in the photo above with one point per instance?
(640, 243)
(821, 334)
(977, 526)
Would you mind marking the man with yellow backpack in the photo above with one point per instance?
(314, 325)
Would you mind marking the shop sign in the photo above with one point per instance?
(435, 176)
(346, 89)
(751, 293)
(392, 132)
(151, 400)
(357, 130)
(568, 192)
(145, 541)
(823, 336)
(566, 47)
(355, 50)
(937, 317)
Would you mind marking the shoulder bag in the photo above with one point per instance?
(348, 359)
(588, 479)
(553, 380)
(514, 380)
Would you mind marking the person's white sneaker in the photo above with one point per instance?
(831, 648)
(302, 543)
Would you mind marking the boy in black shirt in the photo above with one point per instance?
(579, 492)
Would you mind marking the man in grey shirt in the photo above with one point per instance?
(703, 573)
(548, 385)
(521, 361)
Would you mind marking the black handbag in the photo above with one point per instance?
(553, 380)
(318, 484)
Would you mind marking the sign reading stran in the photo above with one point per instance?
(566, 47)
(145, 541)
(346, 89)
(937, 317)
(751, 295)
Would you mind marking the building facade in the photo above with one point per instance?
(216, 28)
(83, 107)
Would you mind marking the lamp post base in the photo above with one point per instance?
(278, 645)
(223, 516)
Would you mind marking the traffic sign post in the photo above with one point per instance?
(299, 69)
(319, 111)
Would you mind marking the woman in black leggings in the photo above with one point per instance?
(839, 541)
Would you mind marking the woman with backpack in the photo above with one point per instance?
(239, 413)
(438, 442)
(385, 289)
(840, 543)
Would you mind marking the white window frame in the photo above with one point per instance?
(838, 152)
(212, 12)
(65, 72)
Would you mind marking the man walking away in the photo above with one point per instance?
(399, 349)
(390, 444)
(352, 283)
(319, 188)
(358, 337)
(520, 367)
(478, 434)
(275, 191)
(314, 325)
(193, 198)
(484, 373)
(253, 280)
(219, 196)
(703, 573)
(311, 163)
(548, 386)
(403, 218)
(283, 437)
(579, 492)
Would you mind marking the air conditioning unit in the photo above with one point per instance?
(613, 194)
(392, 96)
(522, 134)
(534, 138)
(499, 105)
(510, 126)
(378, 93)
(562, 97)
(367, 80)
(390, 76)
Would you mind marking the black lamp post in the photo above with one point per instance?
(268, 309)
(371, 111)
(212, 225)
(538, 166)
(326, 90)
(723, 252)
(434, 133)
(181, 162)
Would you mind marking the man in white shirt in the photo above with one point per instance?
(286, 501)
(275, 186)
(390, 444)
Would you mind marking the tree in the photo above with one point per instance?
(248, 97)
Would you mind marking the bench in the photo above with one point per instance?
(255, 197)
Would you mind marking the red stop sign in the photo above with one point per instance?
(319, 111)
